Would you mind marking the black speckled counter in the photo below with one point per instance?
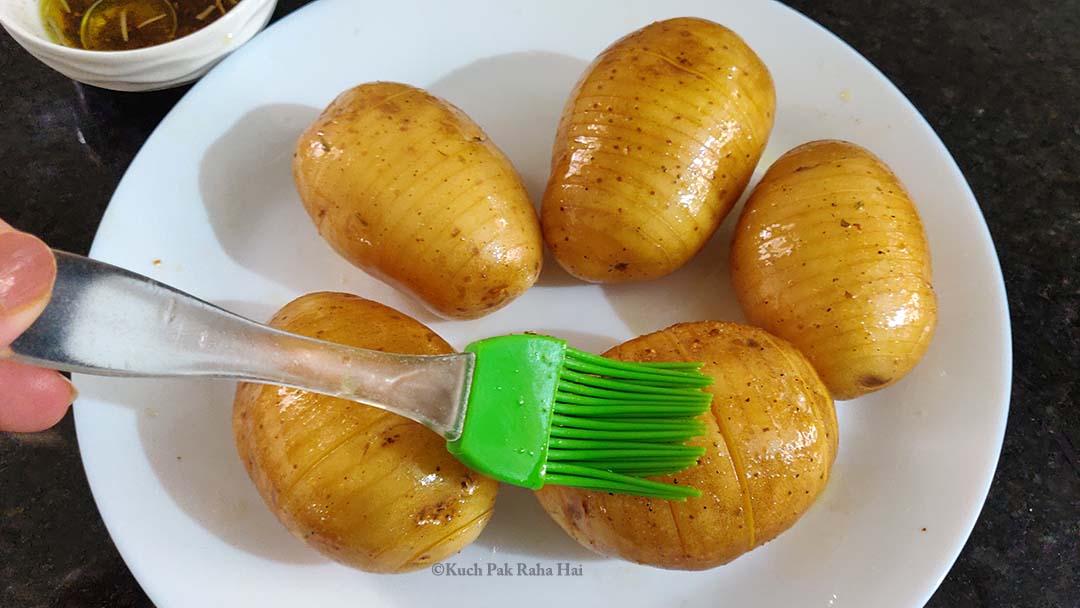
(999, 81)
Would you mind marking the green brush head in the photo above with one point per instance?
(542, 413)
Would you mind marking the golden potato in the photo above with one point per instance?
(771, 440)
(657, 142)
(366, 487)
(406, 186)
(829, 253)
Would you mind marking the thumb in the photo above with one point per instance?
(27, 273)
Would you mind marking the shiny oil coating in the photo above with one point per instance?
(771, 440)
(405, 185)
(368, 488)
(829, 253)
(658, 140)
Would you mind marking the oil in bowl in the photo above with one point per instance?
(120, 25)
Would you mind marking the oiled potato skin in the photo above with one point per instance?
(771, 440)
(366, 487)
(829, 253)
(406, 186)
(656, 143)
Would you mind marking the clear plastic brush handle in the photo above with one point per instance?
(107, 321)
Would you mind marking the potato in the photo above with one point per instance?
(771, 440)
(657, 142)
(366, 487)
(829, 254)
(407, 187)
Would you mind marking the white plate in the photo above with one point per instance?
(210, 196)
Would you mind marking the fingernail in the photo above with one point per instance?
(74, 391)
(27, 270)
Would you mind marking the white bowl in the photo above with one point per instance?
(157, 67)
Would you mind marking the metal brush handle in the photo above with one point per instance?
(107, 321)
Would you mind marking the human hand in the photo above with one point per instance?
(31, 398)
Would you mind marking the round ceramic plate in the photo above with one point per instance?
(209, 206)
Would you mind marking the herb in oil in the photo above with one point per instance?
(119, 25)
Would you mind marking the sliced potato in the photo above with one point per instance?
(657, 142)
(406, 186)
(368, 488)
(829, 253)
(771, 440)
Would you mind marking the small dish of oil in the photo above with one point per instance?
(120, 25)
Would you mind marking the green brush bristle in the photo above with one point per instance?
(589, 478)
(615, 422)
(541, 413)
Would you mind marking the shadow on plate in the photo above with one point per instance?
(245, 181)
(185, 427)
(520, 526)
(700, 290)
(553, 275)
(517, 98)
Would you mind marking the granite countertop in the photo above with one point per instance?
(999, 82)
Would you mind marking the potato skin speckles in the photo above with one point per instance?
(770, 442)
(656, 143)
(368, 488)
(406, 186)
(829, 253)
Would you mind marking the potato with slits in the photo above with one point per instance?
(658, 140)
(406, 186)
(829, 253)
(771, 440)
(368, 488)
